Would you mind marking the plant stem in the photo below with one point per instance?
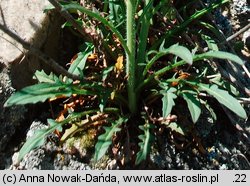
(97, 16)
(143, 41)
(106, 5)
(159, 73)
(195, 16)
(131, 65)
(170, 67)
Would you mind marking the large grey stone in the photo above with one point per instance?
(17, 66)
(10, 118)
(27, 19)
(49, 156)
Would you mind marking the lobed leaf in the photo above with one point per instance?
(210, 43)
(176, 49)
(80, 61)
(43, 91)
(74, 6)
(168, 101)
(177, 128)
(42, 77)
(224, 98)
(220, 55)
(38, 139)
(38, 93)
(146, 140)
(105, 140)
(181, 52)
(194, 105)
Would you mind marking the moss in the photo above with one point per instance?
(82, 142)
(101, 164)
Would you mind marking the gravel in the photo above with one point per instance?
(48, 157)
(10, 118)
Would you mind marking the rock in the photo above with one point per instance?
(10, 118)
(27, 19)
(50, 156)
(247, 42)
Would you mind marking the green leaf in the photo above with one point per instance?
(220, 36)
(193, 105)
(181, 52)
(168, 101)
(68, 24)
(117, 12)
(210, 109)
(51, 7)
(146, 140)
(38, 139)
(218, 80)
(70, 131)
(103, 98)
(183, 25)
(210, 43)
(43, 91)
(42, 77)
(224, 98)
(177, 128)
(220, 55)
(73, 6)
(106, 72)
(48, 8)
(176, 49)
(38, 93)
(105, 140)
(80, 61)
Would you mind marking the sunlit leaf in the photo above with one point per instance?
(42, 77)
(220, 55)
(224, 98)
(181, 52)
(43, 91)
(210, 43)
(176, 49)
(38, 93)
(177, 128)
(168, 101)
(193, 105)
(69, 132)
(80, 61)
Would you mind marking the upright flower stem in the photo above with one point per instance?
(131, 63)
